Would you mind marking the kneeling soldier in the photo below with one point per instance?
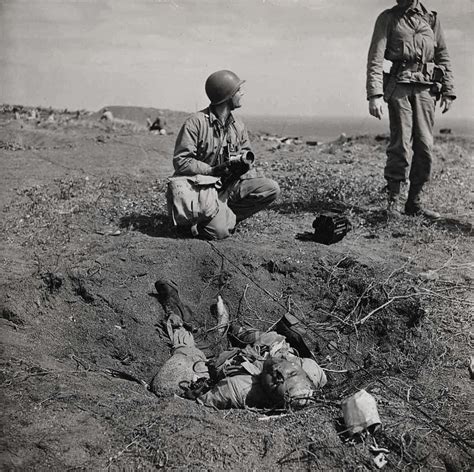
(214, 142)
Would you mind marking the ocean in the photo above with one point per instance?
(327, 129)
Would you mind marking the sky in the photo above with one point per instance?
(298, 57)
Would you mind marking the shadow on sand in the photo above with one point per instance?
(157, 225)
(372, 216)
(454, 226)
(311, 206)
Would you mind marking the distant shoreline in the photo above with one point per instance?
(315, 128)
(328, 128)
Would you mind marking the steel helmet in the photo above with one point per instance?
(221, 85)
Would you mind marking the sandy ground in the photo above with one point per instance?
(85, 236)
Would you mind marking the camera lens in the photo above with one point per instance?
(248, 157)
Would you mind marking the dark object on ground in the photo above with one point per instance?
(293, 330)
(285, 267)
(193, 390)
(158, 124)
(126, 376)
(470, 367)
(382, 137)
(445, 131)
(329, 228)
(240, 336)
(53, 281)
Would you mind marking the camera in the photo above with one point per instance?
(330, 227)
(245, 157)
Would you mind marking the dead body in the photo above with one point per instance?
(260, 369)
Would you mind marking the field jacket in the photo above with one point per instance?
(203, 142)
(413, 41)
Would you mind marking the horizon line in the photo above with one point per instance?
(240, 112)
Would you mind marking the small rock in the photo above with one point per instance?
(53, 281)
(429, 275)
(380, 460)
(398, 234)
(470, 367)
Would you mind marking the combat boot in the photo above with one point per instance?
(294, 330)
(414, 207)
(168, 296)
(393, 205)
(393, 199)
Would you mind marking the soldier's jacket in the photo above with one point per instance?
(413, 41)
(204, 142)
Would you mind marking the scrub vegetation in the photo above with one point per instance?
(86, 235)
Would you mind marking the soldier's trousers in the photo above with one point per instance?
(411, 113)
(242, 199)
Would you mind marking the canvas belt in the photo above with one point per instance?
(402, 66)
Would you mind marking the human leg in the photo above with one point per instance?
(174, 308)
(401, 123)
(399, 148)
(423, 103)
(249, 196)
(242, 199)
(221, 225)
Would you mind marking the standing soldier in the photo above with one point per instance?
(411, 38)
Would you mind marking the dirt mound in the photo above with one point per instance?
(386, 309)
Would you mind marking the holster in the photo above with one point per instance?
(389, 84)
(437, 77)
(436, 90)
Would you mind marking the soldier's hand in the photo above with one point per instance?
(239, 168)
(376, 107)
(445, 103)
(222, 170)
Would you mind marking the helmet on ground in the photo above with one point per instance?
(221, 85)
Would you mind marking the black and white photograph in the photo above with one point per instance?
(236, 235)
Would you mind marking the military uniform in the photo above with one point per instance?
(413, 40)
(204, 143)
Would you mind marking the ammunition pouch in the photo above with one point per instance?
(427, 73)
